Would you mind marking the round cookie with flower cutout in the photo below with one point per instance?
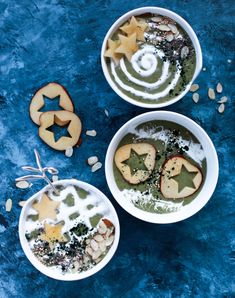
(150, 58)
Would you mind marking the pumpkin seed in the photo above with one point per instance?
(211, 93)
(8, 205)
(221, 108)
(23, 184)
(195, 97)
(219, 88)
(194, 87)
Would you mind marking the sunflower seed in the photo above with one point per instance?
(91, 133)
(173, 28)
(211, 93)
(92, 160)
(54, 178)
(184, 52)
(21, 203)
(221, 108)
(23, 184)
(195, 97)
(169, 37)
(163, 27)
(156, 19)
(8, 205)
(223, 99)
(69, 151)
(194, 87)
(96, 167)
(219, 88)
(106, 112)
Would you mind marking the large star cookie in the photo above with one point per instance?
(110, 52)
(135, 27)
(128, 45)
(53, 233)
(46, 208)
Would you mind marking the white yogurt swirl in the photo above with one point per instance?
(145, 63)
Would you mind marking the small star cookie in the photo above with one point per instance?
(110, 52)
(46, 208)
(128, 45)
(53, 233)
(135, 27)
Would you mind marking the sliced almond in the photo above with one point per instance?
(219, 88)
(8, 205)
(102, 227)
(102, 246)
(195, 97)
(92, 160)
(96, 167)
(21, 203)
(223, 99)
(211, 93)
(22, 184)
(221, 108)
(163, 27)
(94, 245)
(194, 87)
(156, 19)
(109, 240)
(98, 238)
(91, 133)
(89, 250)
(96, 254)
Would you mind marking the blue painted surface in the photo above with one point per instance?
(44, 41)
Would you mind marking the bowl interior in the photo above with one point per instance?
(182, 23)
(210, 179)
(49, 271)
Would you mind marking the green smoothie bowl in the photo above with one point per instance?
(161, 167)
(150, 57)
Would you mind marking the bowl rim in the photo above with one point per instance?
(73, 276)
(204, 194)
(182, 22)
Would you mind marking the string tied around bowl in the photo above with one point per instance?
(42, 172)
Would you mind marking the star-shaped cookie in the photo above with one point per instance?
(53, 233)
(135, 27)
(110, 52)
(128, 45)
(46, 208)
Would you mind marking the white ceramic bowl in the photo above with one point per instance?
(47, 270)
(182, 23)
(210, 179)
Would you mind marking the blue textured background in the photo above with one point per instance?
(42, 41)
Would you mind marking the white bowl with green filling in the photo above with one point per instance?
(161, 167)
(152, 60)
(70, 235)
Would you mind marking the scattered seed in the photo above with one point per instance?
(54, 178)
(163, 27)
(195, 97)
(21, 203)
(96, 166)
(69, 151)
(221, 108)
(184, 52)
(223, 99)
(23, 184)
(94, 245)
(204, 69)
(8, 205)
(156, 19)
(173, 28)
(229, 60)
(91, 133)
(211, 93)
(106, 112)
(169, 37)
(194, 87)
(92, 160)
(219, 88)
